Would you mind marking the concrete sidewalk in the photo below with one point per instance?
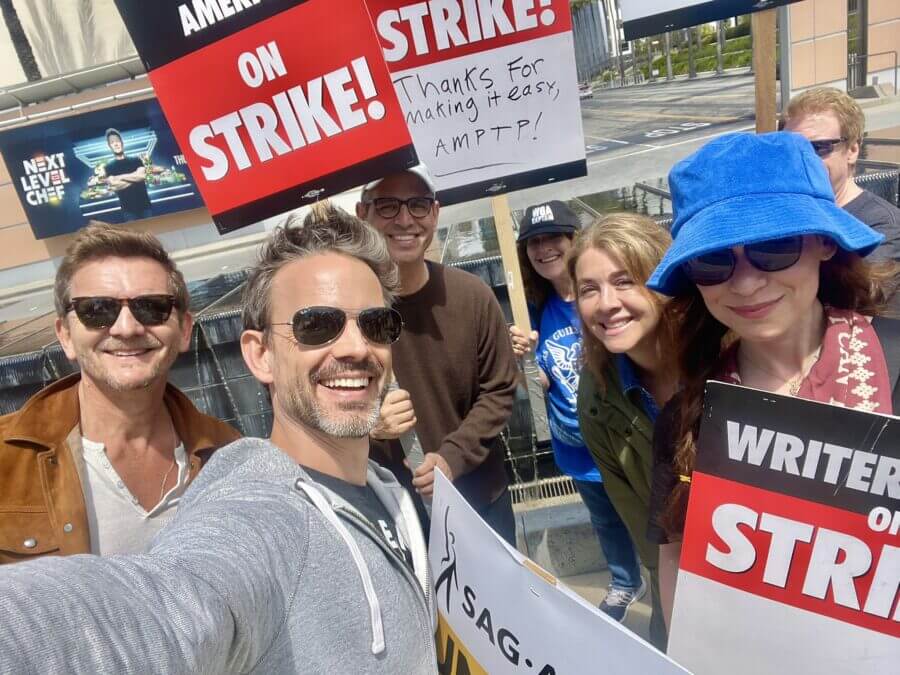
(557, 534)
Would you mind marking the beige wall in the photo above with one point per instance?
(884, 35)
(818, 30)
(17, 243)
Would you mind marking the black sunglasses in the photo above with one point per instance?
(717, 267)
(102, 312)
(389, 207)
(317, 326)
(825, 146)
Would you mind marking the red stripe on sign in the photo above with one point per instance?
(298, 96)
(800, 553)
(415, 34)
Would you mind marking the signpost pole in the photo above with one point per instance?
(762, 25)
(668, 56)
(514, 286)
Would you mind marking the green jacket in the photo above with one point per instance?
(619, 435)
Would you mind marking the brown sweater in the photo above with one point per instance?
(455, 359)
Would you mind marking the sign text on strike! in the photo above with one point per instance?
(456, 23)
(835, 562)
(292, 119)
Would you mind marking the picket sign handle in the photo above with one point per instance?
(504, 225)
(529, 564)
(762, 26)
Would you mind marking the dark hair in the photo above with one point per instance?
(326, 229)
(846, 281)
(112, 132)
(537, 288)
(102, 240)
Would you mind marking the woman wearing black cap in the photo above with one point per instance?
(545, 236)
(770, 291)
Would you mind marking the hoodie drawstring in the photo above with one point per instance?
(325, 508)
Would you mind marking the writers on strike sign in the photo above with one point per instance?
(790, 561)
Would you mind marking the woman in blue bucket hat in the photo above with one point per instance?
(768, 281)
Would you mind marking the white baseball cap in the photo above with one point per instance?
(419, 170)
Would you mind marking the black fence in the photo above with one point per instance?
(212, 373)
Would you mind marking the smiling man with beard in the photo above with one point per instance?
(97, 461)
(292, 554)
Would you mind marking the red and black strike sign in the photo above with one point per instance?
(791, 549)
(275, 103)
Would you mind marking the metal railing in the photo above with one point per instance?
(858, 69)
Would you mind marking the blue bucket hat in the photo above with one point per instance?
(744, 188)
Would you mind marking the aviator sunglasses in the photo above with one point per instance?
(317, 326)
(102, 312)
(717, 267)
(389, 207)
(825, 146)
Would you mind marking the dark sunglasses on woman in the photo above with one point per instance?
(717, 267)
(102, 312)
(317, 326)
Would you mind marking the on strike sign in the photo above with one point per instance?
(275, 103)
(489, 90)
(791, 554)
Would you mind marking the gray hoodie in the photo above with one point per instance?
(261, 571)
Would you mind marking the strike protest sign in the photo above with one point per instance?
(275, 103)
(488, 89)
(791, 556)
(500, 613)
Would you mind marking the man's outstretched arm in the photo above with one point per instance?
(208, 597)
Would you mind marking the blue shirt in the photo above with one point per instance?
(559, 355)
(630, 383)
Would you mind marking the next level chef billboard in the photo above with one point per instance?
(115, 165)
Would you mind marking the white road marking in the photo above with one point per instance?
(670, 145)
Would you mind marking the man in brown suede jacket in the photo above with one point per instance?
(96, 462)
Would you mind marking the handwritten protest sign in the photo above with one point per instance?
(489, 90)
(497, 615)
(275, 103)
(790, 561)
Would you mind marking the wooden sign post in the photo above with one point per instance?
(762, 25)
(516, 289)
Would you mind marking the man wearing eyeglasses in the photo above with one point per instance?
(294, 554)
(96, 462)
(834, 123)
(454, 363)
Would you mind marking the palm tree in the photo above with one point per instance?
(20, 41)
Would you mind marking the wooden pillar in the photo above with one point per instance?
(763, 28)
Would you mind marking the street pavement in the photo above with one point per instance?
(637, 133)
(655, 114)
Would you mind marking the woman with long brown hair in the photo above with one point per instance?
(770, 291)
(627, 373)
